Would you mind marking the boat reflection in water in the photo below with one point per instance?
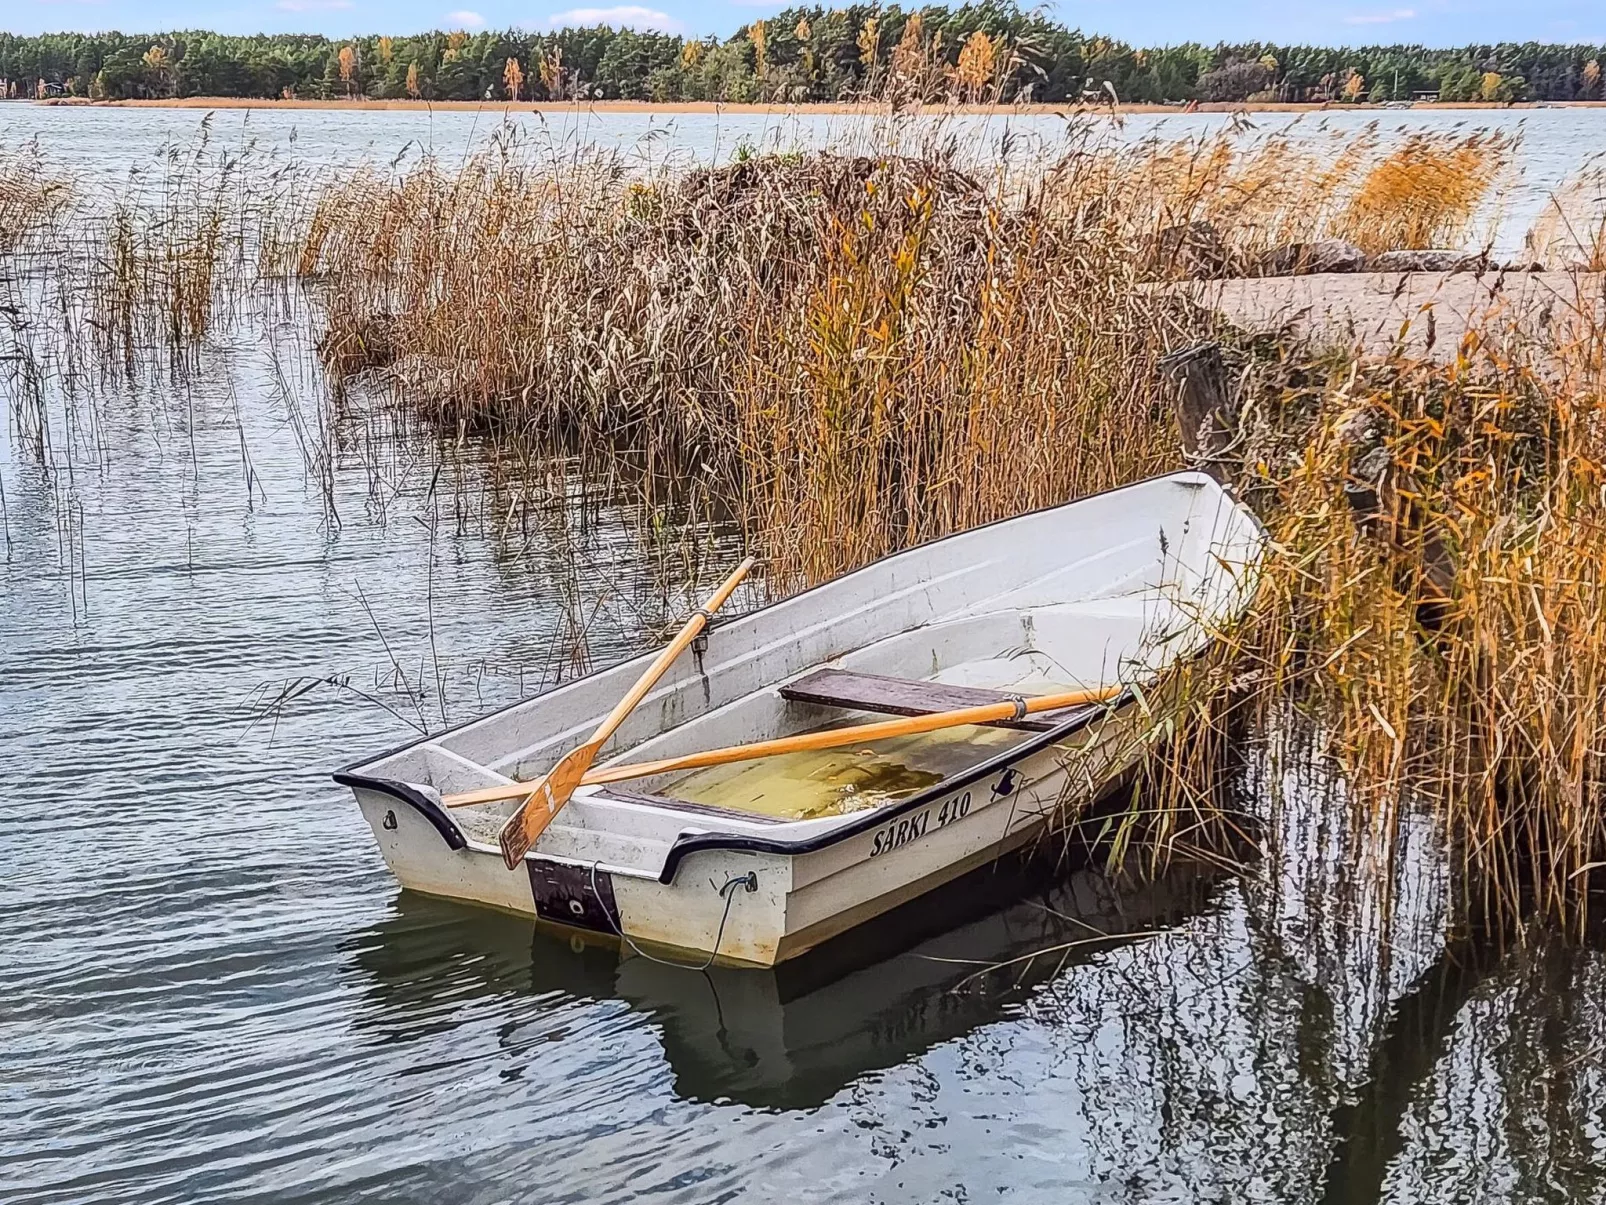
(794, 1036)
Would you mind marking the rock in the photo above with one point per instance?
(1436, 260)
(1189, 251)
(1205, 406)
(1310, 259)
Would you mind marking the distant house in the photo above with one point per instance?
(1425, 97)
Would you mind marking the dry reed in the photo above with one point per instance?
(1423, 194)
(32, 198)
(1433, 603)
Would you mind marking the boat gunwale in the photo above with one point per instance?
(448, 828)
(1198, 477)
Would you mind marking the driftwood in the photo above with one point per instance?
(1432, 260)
(1313, 258)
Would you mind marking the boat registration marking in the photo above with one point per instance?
(902, 831)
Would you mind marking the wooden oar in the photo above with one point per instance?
(550, 792)
(831, 738)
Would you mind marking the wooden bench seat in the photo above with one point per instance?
(905, 696)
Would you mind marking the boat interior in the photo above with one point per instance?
(966, 662)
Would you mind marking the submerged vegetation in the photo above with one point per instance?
(847, 353)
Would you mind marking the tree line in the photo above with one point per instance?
(985, 51)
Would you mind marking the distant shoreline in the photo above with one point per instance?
(775, 108)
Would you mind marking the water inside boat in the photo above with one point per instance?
(833, 782)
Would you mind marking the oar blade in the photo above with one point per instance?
(525, 826)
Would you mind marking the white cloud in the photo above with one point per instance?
(311, 6)
(633, 16)
(1388, 18)
(464, 19)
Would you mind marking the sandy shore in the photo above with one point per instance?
(629, 106)
(1433, 309)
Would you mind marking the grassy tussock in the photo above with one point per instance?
(869, 351)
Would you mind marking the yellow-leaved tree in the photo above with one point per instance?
(760, 41)
(978, 58)
(347, 60)
(869, 41)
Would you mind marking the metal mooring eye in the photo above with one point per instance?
(389, 822)
(576, 907)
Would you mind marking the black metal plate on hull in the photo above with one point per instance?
(574, 895)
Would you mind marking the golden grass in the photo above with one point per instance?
(1424, 194)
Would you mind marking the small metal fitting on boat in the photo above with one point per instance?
(389, 822)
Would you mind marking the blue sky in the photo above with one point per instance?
(1143, 22)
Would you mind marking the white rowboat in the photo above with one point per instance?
(756, 862)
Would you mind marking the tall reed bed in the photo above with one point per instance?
(868, 349)
(852, 352)
(1433, 603)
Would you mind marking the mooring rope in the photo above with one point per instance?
(728, 891)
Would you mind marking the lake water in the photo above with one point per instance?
(211, 989)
